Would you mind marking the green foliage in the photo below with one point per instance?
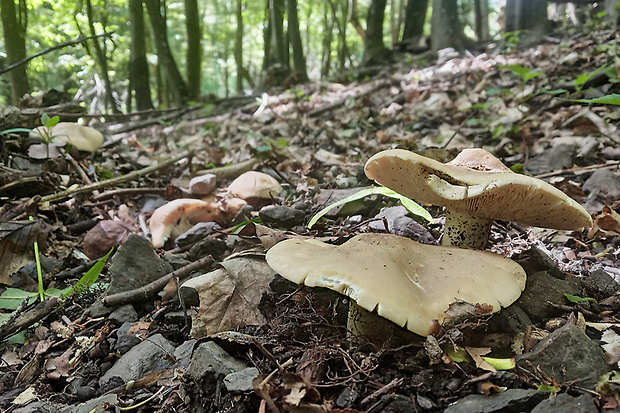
(613, 99)
(523, 72)
(575, 299)
(411, 206)
(550, 389)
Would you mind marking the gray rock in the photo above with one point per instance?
(567, 404)
(125, 342)
(183, 353)
(150, 356)
(601, 282)
(510, 401)
(603, 180)
(282, 215)
(567, 354)
(542, 291)
(134, 265)
(557, 157)
(37, 407)
(100, 404)
(209, 358)
(400, 223)
(346, 397)
(400, 404)
(240, 381)
(511, 319)
(124, 313)
(209, 246)
(196, 233)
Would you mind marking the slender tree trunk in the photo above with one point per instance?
(374, 48)
(415, 16)
(394, 29)
(239, 48)
(138, 65)
(481, 13)
(102, 58)
(529, 16)
(328, 24)
(446, 28)
(194, 48)
(299, 60)
(175, 83)
(14, 24)
(355, 21)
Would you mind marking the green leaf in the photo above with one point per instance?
(12, 297)
(517, 168)
(500, 364)
(576, 299)
(44, 118)
(531, 75)
(613, 99)
(257, 220)
(547, 388)
(411, 206)
(53, 121)
(89, 278)
(587, 76)
(12, 130)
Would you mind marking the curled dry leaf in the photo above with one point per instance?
(104, 236)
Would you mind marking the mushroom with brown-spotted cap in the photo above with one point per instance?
(178, 216)
(476, 188)
(408, 283)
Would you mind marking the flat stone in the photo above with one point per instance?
(241, 381)
(37, 407)
(567, 404)
(196, 233)
(282, 215)
(124, 313)
(567, 354)
(98, 405)
(400, 223)
(542, 290)
(125, 342)
(510, 401)
(400, 404)
(560, 156)
(209, 358)
(603, 180)
(601, 282)
(150, 356)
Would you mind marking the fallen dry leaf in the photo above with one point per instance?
(476, 353)
(16, 246)
(229, 296)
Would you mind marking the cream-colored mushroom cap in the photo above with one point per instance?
(174, 218)
(475, 184)
(83, 138)
(409, 283)
(254, 184)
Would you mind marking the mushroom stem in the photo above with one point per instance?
(464, 230)
(378, 330)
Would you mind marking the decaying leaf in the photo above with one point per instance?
(229, 296)
(607, 223)
(476, 353)
(104, 236)
(16, 246)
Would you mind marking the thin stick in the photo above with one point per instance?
(110, 182)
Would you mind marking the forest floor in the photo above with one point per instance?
(241, 338)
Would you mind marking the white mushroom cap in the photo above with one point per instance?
(83, 138)
(254, 185)
(409, 283)
(178, 216)
(487, 191)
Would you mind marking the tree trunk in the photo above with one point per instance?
(194, 48)
(14, 24)
(529, 16)
(299, 60)
(275, 64)
(138, 65)
(374, 48)
(612, 12)
(328, 24)
(446, 28)
(175, 83)
(239, 48)
(415, 16)
(481, 12)
(394, 29)
(102, 58)
(354, 19)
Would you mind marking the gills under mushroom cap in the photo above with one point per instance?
(409, 283)
(480, 188)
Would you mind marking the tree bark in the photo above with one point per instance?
(529, 16)
(328, 24)
(239, 47)
(175, 83)
(354, 20)
(374, 48)
(102, 58)
(481, 12)
(415, 16)
(299, 60)
(446, 28)
(14, 24)
(138, 65)
(194, 48)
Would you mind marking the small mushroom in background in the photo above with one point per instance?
(178, 216)
(408, 283)
(256, 188)
(476, 188)
(82, 138)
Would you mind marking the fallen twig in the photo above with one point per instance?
(30, 317)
